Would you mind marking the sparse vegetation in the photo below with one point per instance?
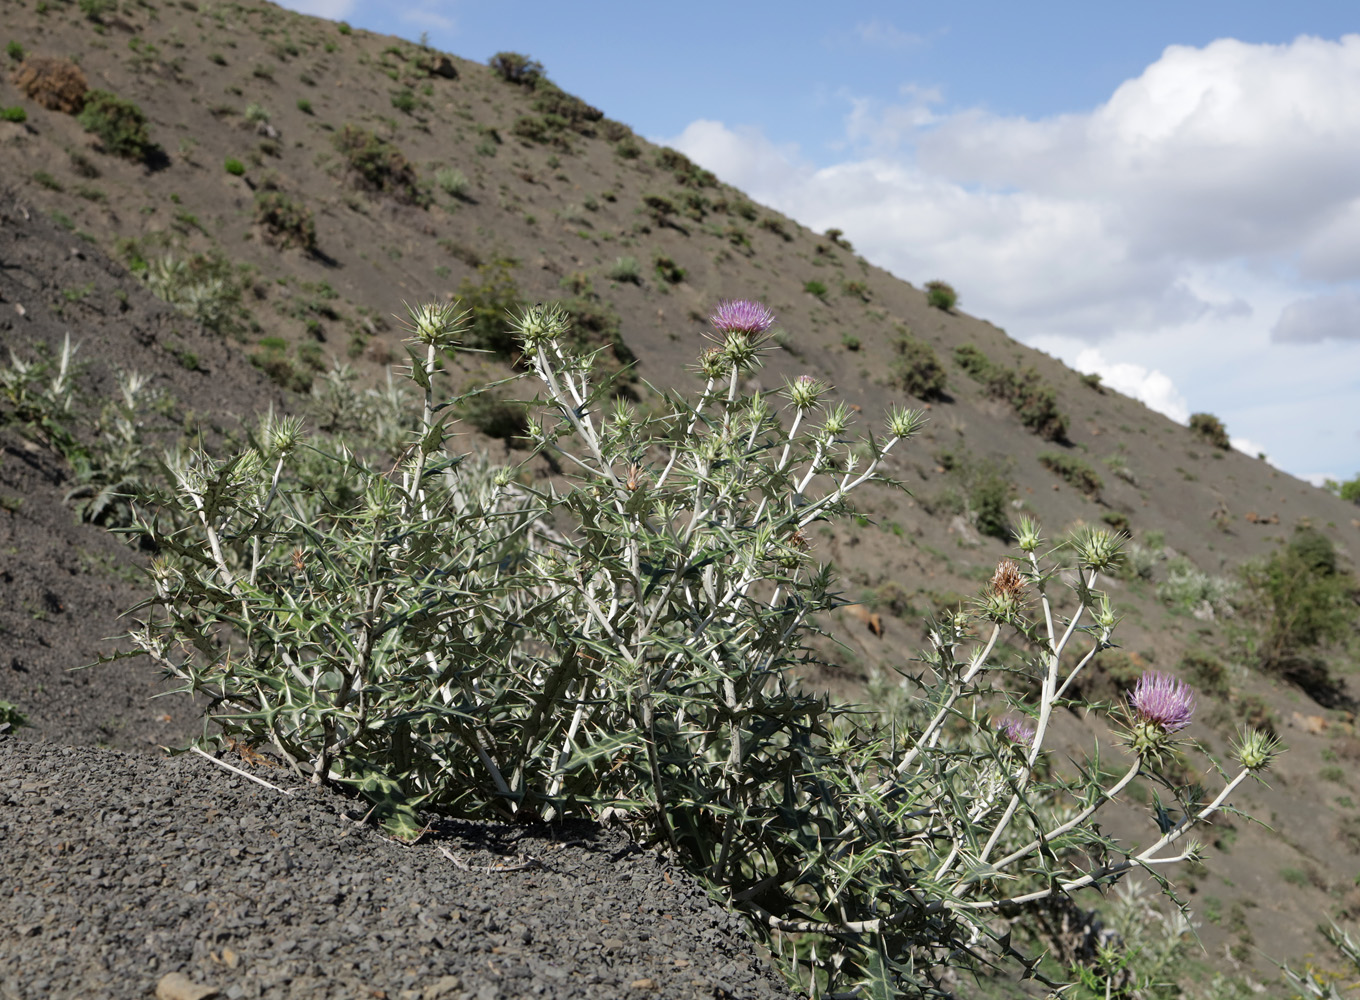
(917, 368)
(668, 270)
(119, 125)
(1299, 600)
(452, 181)
(56, 84)
(516, 68)
(1073, 470)
(626, 269)
(234, 167)
(1210, 429)
(941, 295)
(15, 114)
(378, 165)
(286, 221)
(1034, 402)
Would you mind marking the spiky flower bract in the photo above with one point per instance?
(741, 316)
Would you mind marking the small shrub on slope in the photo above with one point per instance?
(379, 165)
(917, 368)
(119, 125)
(286, 221)
(1210, 429)
(941, 295)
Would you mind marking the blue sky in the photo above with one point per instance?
(1164, 193)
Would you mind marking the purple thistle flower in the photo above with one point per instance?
(1163, 701)
(1015, 729)
(741, 316)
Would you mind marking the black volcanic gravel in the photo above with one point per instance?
(118, 870)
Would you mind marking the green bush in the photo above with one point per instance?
(489, 297)
(1210, 429)
(15, 114)
(626, 269)
(941, 295)
(546, 129)
(14, 50)
(668, 270)
(1076, 472)
(1300, 599)
(555, 103)
(973, 361)
(119, 125)
(404, 100)
(379, 165)
(452, 181)
(516, 68)
(1034, 402)
(627, 148)
(304, 105)
(686, 172)
(234, 167)
(815, 288)
(286, 221)
(916, 368)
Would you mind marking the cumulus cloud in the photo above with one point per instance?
(1331, 316)
(1149, 386)
(1209, 195)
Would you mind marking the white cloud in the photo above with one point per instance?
(887, 35)
(335, 10)
(427, 17)
(1149, 386)
(1331, 316)
(1211, 196)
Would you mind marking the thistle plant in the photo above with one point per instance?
(621, 640)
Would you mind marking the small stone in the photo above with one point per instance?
(644, 984)
(442, 987)
(178, 986)
(230, 958)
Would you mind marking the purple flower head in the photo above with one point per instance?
(1163, 701)
(741, 316)
(1015, 729)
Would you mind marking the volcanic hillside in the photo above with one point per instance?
(298, 181)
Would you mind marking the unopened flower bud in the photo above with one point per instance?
(1256, 749)
(804, 391)
(437, 323)
(541, 324)
(903, 423)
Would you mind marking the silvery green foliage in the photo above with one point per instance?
(619, 641)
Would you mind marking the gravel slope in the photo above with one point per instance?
(120, 870)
